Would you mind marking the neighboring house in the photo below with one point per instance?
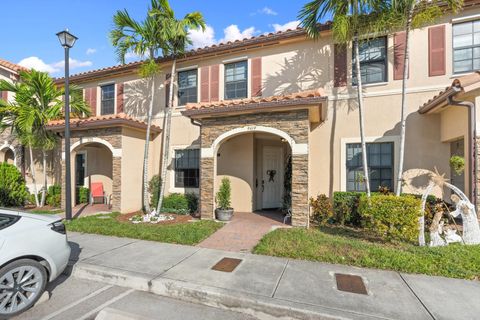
(247, 109)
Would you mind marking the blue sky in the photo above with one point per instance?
(32, 42)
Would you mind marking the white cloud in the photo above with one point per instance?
(37, 64)
(232, 33)
(91, 51)
(52, 68)
(268, 11)
(130, 56)
(202, 38)
(289, 25)
(74, 64)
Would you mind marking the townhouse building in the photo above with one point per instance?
(278, 115)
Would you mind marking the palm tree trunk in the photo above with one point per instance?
(404, 110)
(34, 181)
(146, 203)
(44, 190)
(366, 178)
(166, 138)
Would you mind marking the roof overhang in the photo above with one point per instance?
(102, 122)
(461, 85)
(314, 101)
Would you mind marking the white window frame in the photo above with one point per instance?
(343, 156)
(172, 188)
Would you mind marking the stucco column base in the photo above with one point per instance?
(300, 190)
(117, 184)
(206, 188)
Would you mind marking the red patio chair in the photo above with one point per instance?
(97, 192)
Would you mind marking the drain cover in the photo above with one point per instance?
(227, 264)
(350, 283)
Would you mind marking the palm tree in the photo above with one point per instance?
(407, 15)
(177, 42)
(37, 101)
(350, 19)
(145, 38)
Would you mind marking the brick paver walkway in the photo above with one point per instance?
(244, 231)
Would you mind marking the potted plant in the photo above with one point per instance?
(458, 164)
(224, 212)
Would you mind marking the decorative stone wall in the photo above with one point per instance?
(113, 136)
(294, 123)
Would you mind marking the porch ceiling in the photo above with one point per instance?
(105, 121)
(461, 85)
(311, 100)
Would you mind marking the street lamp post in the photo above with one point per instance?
(67, 40)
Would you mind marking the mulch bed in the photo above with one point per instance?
(178, 218)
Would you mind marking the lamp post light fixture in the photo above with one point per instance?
(67, 40)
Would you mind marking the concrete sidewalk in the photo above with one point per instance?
(267, 287)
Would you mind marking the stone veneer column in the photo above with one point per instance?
(117, 184)
(206, 188)
(300, 204)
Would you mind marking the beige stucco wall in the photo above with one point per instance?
(235, 160)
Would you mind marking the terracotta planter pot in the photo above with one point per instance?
(224, 215)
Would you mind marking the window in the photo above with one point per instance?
(466, 46)
(187, 87)
(7, 221)
(380, 166)
(236, 80)
(108, 99)
(187, 164)
(373, 61)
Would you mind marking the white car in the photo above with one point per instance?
(33, 251)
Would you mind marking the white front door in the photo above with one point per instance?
(272, 177)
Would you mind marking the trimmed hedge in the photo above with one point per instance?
(175, 203)
(13, 191)
(345, 206)
(83, 195)
(391, 217)
(54, 194)
(322, 210)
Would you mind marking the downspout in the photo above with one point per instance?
(472, 146)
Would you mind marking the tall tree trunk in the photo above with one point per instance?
(44, 190)
(146, 203)
(166, 138)
(404, 110)
(34, 181)
(366, 178)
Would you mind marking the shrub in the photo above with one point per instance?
(13, 191)
(175, 203)
(224, 194)
(54, 194)
(192, 200)
(154, 190)
(322, 209)
(345, 206)
(83, 195)
(391, 217)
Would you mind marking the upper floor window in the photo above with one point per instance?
(373, 61)
(108, 99)
(187, 168)
(236, 80)
(187, 87)
(466, 46)
(380, 166)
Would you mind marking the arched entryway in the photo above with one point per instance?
(92, 162)
(258, 164)
(7, 155)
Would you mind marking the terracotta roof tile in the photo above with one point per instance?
(12, 66)
(298, 98)
(460, 82)
(110, 119)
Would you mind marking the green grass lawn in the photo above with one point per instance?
(189, 233)
(43, 211)
(345, 246)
